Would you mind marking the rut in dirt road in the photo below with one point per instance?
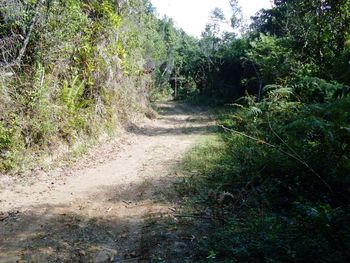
(97, 213)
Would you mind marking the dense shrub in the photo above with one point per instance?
(72, 70)
(284, 166)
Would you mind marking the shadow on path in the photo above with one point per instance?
(114, 223)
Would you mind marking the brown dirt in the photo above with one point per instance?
(108, 206)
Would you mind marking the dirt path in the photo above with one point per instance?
(94, 211)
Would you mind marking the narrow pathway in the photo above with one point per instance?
(94, 211)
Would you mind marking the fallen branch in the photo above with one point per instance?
(193, 216)
(282, 151)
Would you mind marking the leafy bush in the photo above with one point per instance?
(313, 90)
(285, 169)
(71, 70)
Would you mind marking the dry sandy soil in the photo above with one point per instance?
(108, 206)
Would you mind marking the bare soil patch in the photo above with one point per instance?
(110, 205)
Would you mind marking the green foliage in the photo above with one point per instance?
(81, 73)
(72, 94)
(9, 146)
(291, 40)
(274, 62)
(312, 89)
(285, 169)
(276, 185)
(317, 30)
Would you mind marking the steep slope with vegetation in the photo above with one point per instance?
(73, 70)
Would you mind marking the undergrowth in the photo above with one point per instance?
(275, 181)
(80, 79)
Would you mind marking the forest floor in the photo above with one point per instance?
(115, 204)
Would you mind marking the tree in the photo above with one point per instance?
(211, 36)
(237, 16)
(272, 62)
(317, 29)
